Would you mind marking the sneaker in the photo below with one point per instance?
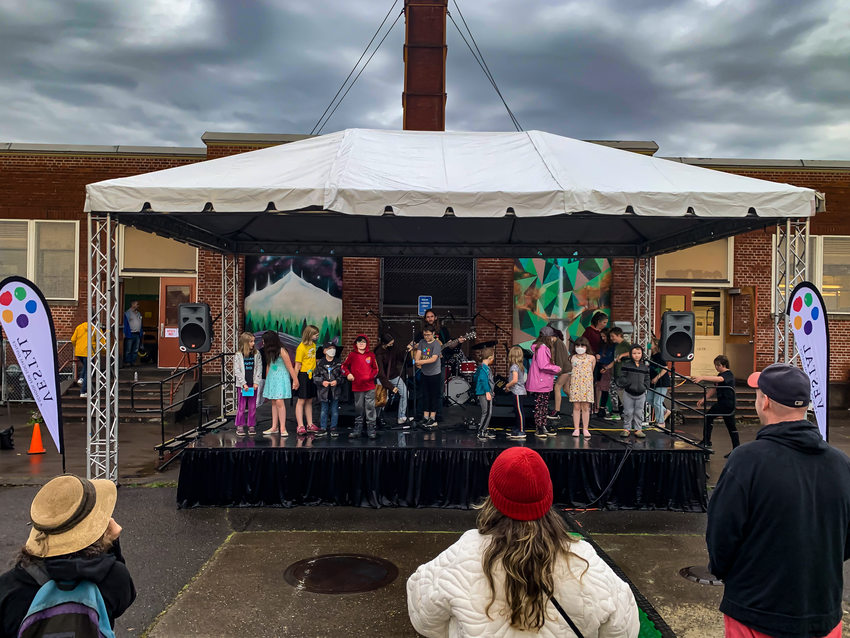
(610, 417)
(541, 432)
(313, 429)
(601, 414)
(705, 444)
(334, 433)
(551, 431)
(490, 434)
(271, 431)
(301, 430)
(240, 431)
(516, 436)
(80, 381)
(553, 415)
(616, 417)
(625, 433)
(640, 434)
(319, 433)
(252, 430)
(402, 421)
(83, 395)
(482, 436)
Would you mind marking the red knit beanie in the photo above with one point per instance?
(520, 485)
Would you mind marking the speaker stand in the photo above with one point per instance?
(672, 398)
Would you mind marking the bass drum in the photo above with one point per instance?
(459, 390)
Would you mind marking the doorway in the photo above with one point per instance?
(172, 292)
(708, 330)
(675, 299)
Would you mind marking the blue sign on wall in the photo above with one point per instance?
(424, 304)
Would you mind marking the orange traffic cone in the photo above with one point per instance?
(36, 446)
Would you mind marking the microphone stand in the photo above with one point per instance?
(493, 323)
(413, 365)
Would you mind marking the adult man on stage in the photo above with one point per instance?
(779, 519)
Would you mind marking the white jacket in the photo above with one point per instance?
(448, 596)
(239, 369)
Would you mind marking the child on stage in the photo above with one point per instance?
(428, 353)
(328, 378)
(634, 380)
(280, 380)
(305, 363)
(483, 382)
(581, 386)
(361, 369)
(516, 386)
(246, 371)
(541, 378)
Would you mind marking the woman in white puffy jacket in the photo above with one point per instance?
(505, 578)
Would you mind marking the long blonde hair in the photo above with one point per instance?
(516, 357)
(527, 551)
(244, 340)
(308, 333)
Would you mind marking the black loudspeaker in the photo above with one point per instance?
(194, 327)
(677, 336)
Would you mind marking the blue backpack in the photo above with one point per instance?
(65, 609)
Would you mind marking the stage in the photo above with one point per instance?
(445, 468)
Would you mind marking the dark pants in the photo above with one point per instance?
(330, 406)
(83, 364)
(431, 392)
(519, 418)
(729, 420)
(486, 412)
(541, 409)
(131, 348)
(420, 394)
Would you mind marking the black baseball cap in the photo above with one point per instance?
(783, 383)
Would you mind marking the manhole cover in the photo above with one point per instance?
(700, 575)
(341, 573)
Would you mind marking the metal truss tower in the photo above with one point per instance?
(229, 327)
(643, 299)
(791, 266)
(103, 319)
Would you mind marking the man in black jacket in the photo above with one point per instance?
(779, 518)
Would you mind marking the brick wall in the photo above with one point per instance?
(494, 298)
(623, 289)
(361, 291)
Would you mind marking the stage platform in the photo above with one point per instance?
(445, 468)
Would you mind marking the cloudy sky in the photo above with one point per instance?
(733, 78)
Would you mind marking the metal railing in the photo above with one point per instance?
(13, 384)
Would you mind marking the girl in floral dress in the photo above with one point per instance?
(581, 386)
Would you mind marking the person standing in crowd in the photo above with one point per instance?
(328, 377)
(83, 346)
(280, 380)
(516, 386)
(520, 572)
(581, 386)
(604, 364)
(621, 352)
(593, 332)
(390, 362)
(541, 379)
(132, 333)
(561, 358)
(778, 528)
(483, 382)
(634, 381)
(73, 538)
(427, 356)
(361, 369)
(246, 368)
(660, 384)
(305, 363)
(725, 404)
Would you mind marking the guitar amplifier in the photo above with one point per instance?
(499, 382)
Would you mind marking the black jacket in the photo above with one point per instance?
(108, 572)
(634, 379)
(328, 371)
(777, 533)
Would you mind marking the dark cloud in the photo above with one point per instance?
(757, 78)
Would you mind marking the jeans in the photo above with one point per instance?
(399, 383)
(364, 404)
(633, 407)
(656, 400)
(131, 348)
(729, 420)
(331, 405)
(83, 361)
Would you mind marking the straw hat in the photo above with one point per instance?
(68, 514)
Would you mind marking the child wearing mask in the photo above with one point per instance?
(581, 386)
(328, 377)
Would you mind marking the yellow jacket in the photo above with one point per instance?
(80, 339)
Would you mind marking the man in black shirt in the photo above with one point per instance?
(725, 405)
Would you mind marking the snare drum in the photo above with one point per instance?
(467, 368)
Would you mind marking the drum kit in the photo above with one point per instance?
(459, 375)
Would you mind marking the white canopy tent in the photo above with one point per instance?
(418, 192)
(372, 192)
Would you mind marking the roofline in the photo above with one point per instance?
(92, 149)
(218, 137)
(644, 147)
(733, 162)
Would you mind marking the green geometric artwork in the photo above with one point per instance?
(563, 292)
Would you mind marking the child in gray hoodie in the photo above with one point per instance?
(634, 379)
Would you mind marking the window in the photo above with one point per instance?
(829, 270)
(706, 264)
(45, 252)
(449, 280)
(143, 252)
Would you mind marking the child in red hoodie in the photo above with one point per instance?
(361, 369)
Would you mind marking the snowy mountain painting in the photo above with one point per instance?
(287, 293)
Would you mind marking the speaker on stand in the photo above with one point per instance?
(676, 344)
(194, 331)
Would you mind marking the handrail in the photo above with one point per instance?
(172, 390)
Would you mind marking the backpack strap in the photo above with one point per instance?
(563, 613)
(38, 573)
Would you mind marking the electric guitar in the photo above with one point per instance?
(454, 342)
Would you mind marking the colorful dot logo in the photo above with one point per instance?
(6, 299)
(807, 313)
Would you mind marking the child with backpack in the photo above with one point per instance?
(73, 543)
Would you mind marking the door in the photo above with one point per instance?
(676, 299)
(709, 330)
(741, 330)
(172, 292)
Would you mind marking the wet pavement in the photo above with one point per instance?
(219, 572)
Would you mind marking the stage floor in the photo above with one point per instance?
(444, 468)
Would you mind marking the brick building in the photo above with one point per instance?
(43, 234)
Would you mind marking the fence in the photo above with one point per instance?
(13, 384)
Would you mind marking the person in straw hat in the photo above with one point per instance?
(73, 538)
(519, 572)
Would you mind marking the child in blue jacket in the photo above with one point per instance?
(484, 391)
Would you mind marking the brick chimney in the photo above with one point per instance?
(424, 98)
